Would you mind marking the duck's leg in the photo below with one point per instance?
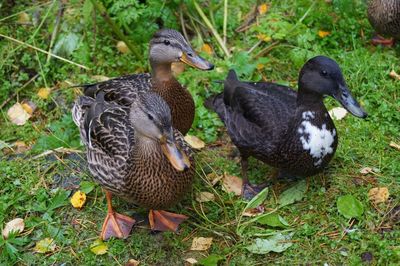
(249, 190)
(165, 221)
(115, 224)
(379, 40)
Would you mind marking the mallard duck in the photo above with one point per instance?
(135, 153)
(384, 16)
(289, 130)
(166, 46)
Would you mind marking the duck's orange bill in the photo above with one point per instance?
(176, 157)
(196, 61)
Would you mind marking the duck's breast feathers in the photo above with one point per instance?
(122, 90)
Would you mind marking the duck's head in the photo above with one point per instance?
(168, 46)
(151, 118)
(322, 75)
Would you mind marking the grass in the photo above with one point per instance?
(38, 188)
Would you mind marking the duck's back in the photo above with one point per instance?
(384, 16)
(256, 115)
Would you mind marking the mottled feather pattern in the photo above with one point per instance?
(384, 16)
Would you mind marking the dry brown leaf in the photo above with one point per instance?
(233, 184)
(394, 145)
(78, 199)
(366, 170)
(178, 67)
(195, 142)
(323, 33)
(205, 196)
(122, 47)
(20, 147)
(207, 49)
(16, 225)
(201, 243)
(338, 113)
(44, 93)
(262, 9)
(378, 194)
(18, 115)
(394, 75)
(253, 212)
(132, 262)
(190, 261)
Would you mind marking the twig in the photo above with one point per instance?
(45, 52)
(103, 12)
(267, 49)
(55, 30)
(225, 19)
(60, 149)
(213, 30)
(17, 91)
(183, 23)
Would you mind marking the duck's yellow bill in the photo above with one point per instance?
(196, 61)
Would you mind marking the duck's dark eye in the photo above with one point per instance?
(150, 116)
(190, 54)
(166, 42)
(324, 73)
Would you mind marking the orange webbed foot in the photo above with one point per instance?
(116, 225)
(165, 221)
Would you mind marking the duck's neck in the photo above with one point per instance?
(145, 147)
(161, 72)
(309, 98)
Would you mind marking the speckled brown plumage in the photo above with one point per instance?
(126, 164)
(384, 16)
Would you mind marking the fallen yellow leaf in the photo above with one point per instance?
(201, 243)
(323, 34)
(44, 93)
(190, 261)
(207, 49)
(260, 66)
(23, 18)
(205, 196)
(378, 194)
(29, 107)
(45, 245)
(78, 199)
(16, 225)
(18, 115)
(195, 142)
(233, 184)
(264, 37)
(99, 247)
(262, 9)
(122, 47)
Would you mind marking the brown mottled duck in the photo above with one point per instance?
(384, 16)
(135, 153)
(166, 46)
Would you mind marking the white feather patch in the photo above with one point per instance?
(317, 140)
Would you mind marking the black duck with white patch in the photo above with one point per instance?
(286, 129)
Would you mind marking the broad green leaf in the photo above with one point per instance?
(273, 219)
(211, 260)
(87, 186)
(293, 194)
(257, 200)
(99, 247)
(59, 200)
(277, 243)
(350, 207)
(66, 44)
